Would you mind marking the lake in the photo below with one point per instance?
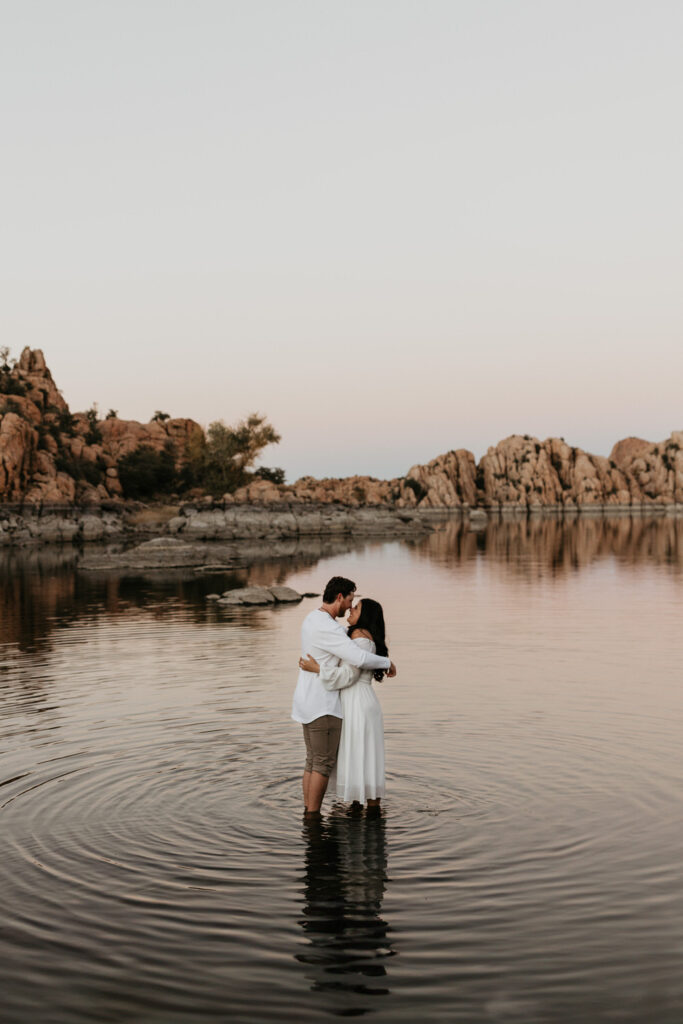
(527, 868)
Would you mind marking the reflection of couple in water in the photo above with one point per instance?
(335, 701)
(343, 885)
(346, 859)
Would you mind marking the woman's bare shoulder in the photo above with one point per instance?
(360, 634)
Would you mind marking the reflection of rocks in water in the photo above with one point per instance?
(276, 566)
(170, 555)
(42, 589)
(554, 545)
(35, 588)
(344, 883)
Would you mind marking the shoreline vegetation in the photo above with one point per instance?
(77, 477)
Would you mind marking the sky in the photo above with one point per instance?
(394, 228)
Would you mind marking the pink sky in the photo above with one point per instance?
(393, 228)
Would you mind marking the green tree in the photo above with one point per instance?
(160, 417)
(113, 414)
(145, 472)
(9, 383)
(66, 423)
(231, 451)
(274, 474)
(94, 435)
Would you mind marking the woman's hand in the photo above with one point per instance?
(309, 664)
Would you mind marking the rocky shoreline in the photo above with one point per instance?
(61, 472)
(27, 526)
(31, 525)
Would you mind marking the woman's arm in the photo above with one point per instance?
(336, 642)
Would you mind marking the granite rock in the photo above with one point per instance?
(248, 596)
(285, 595)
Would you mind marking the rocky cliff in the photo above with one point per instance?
(48, 456)
(520, 472)
(528, 473)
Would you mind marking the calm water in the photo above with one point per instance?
(154, 862)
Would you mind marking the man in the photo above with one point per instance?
(319, 710)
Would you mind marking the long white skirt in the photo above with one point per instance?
(360, 761)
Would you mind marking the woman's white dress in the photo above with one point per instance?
(360, 761)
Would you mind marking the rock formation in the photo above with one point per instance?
(527, 473)
(49, 456)
(520, 472)
(448, 481)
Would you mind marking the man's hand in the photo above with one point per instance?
(392, 671)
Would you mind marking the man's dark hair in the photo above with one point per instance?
(338, 585)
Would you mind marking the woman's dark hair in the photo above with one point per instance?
(338, 585)
(371, 618)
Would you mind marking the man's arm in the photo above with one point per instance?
(339, 677)
(343, 647)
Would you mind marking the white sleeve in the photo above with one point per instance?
(338, 677)
(343, 647)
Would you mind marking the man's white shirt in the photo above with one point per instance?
(327, 640)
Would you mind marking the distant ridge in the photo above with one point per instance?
(50, 456)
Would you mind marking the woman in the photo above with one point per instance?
(360, 761)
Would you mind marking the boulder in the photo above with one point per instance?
(248, 596)
(17, 456)
(285, 595)
(160, 553)
(449, 481)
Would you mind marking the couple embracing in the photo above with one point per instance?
(334, 699)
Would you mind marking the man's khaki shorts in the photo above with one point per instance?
(321, 737)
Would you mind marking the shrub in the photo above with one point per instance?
(113, 414)
(190, 475)
(224, 460)
(145, 472)
(66, 423)
(275, 475)
(10, 385)
(94, 435)
(79, 469)
(160, 417)
(416, 487)
(66, 464)
(90, 472)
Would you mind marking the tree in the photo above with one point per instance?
(66, 423)
(94, 435)
(10, 384)
(274, 474)
(231, 451)
(160, 417)
(145, 472)
(113, 414)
